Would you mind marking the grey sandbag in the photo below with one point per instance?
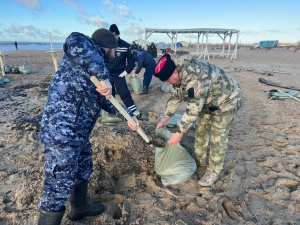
(24, 69)
(137, 84)
(7, 68)
(4, 80)
(173, 163)
(276, 95)
(166, 87)
(174, 121)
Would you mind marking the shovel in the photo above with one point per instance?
(122, 110)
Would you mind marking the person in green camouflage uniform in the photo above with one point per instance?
(213, 97)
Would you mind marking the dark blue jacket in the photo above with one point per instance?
(73, 104)
(144, 59)
(124, 59)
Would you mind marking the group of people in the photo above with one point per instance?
(213, 97)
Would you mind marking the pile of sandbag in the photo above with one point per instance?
(23, 69)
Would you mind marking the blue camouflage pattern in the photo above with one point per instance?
(70, 114)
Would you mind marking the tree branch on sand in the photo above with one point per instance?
(271, 83)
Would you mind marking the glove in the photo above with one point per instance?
(123, 74)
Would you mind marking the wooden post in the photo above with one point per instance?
(53, 55)
(2, 64)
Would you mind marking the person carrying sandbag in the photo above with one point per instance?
(213, 97)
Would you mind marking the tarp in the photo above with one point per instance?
(161, 45)
(184, 44)
(179, 45)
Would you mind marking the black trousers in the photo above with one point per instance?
(120, 84)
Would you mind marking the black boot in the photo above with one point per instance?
(145, 89)
(80, 207)
(50, 218)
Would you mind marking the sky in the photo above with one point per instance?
(34, 20)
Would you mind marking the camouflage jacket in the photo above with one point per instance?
(204, 87)
(73, 104)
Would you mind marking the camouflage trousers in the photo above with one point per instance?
(64, 166)
(211, 140)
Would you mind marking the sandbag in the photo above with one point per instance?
(24, 69)
(7, 68)
(174, 121)
(276, 95)
(172, 162)
(166, 87)
(4, 80)
(136, 83)
(15, 69)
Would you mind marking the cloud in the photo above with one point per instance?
(30, 33)
(75, 5)
(134, 29)
(124, 12)
(31, 4)
(99, 22)
(108, 3)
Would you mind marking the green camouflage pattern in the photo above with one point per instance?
(211, 140)
(204, 87)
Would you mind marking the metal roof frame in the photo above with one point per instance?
(222, 33)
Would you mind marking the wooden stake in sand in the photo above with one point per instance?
(2, 64)
(53, 54)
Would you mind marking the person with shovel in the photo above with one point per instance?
(121, 65)
(73, 106)
(213, 98)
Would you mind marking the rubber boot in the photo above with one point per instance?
(80, 207)
(108, 118)
(145, 89)
(50, 218)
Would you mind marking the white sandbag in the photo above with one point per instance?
(24, 69)
(137, 84)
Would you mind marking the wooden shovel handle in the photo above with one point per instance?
(121, 109)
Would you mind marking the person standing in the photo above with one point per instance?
(134, 46)
(119, 67)
(16, 45)
(152, 50)
(145, 60)
(213, 98)
(72, 109)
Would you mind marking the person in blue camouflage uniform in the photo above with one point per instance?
(213, 98)
(73, 106)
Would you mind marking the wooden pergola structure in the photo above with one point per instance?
(204, 32)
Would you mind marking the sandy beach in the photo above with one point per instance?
(259, 184)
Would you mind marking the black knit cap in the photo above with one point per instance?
(164, 68)
(114, 29)
(105, 38)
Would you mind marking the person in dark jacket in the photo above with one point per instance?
(119, 67)
(152, 50)
(145, 60)
(73, 106)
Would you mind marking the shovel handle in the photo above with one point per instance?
(121, 110)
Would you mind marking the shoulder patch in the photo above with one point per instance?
(191, 93)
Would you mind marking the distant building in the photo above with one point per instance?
(268, 44)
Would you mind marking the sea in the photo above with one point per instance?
(6, 46)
